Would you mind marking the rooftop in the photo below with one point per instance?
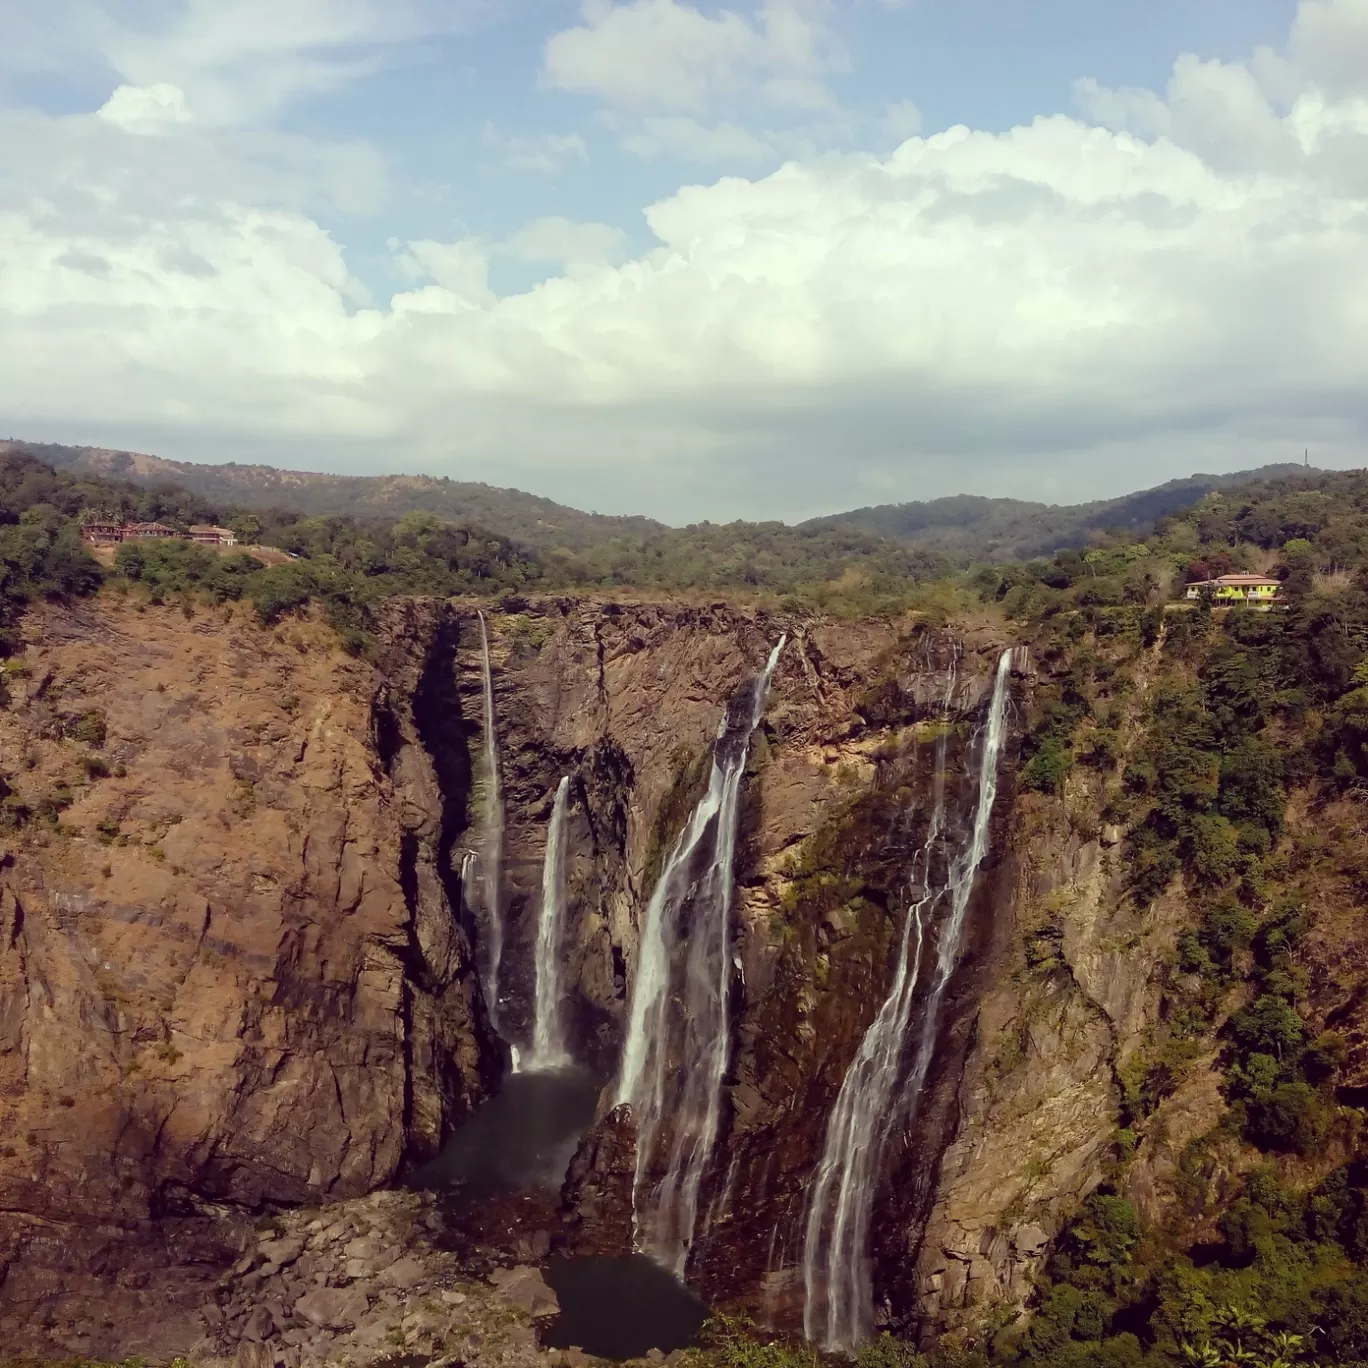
(1241, 579)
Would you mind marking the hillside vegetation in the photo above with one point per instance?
(961, 529)
(1231, 749)
(346, 563)
(969, 527)
(525, 517)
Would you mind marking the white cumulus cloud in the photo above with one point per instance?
(232, 60)
(1167, 282)
(576, 245)
(146, 109)
(663, 54)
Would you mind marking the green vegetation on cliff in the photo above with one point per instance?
(1228, 747)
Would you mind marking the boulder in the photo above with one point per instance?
(260, 1326)
(332, 1308)
(525, 1287)
(405, 1274)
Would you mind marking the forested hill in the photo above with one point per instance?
(964, 527)
(971, 527)
(527, 518)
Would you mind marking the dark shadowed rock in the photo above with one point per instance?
(596, 1200)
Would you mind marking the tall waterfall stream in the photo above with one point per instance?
(548, 1032)
(491, 852)
(675, 1053)
(837, 1281)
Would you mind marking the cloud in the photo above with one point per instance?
(233, 61)
(574, 245)
(97, 171)
(902, 120)
(1329, 45)
(653, 54)
(717, 89)
(146, 109)
(1103, 301)
(548, 152)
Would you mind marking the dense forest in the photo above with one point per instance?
(347, 564)
(970, 527)
(1232, 748)
(529, 518)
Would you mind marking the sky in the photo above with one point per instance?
(765, 260)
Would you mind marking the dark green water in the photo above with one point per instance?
(523, 1137)
(620, 1308)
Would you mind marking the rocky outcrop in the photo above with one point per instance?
(365, 1280)
(1079, 985)
(596, 1199)
(230, 970)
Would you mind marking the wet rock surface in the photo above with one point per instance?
(596, 1199)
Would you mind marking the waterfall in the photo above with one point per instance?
(491, 853)
(548, 1038)
(675, 1054)
(837, 1282)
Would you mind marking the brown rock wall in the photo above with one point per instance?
(229, 970)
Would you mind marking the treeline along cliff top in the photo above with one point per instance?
(346, 562)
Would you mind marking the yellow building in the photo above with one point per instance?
(1228, 589)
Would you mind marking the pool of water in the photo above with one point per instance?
(522, 1137)
(620, 1308)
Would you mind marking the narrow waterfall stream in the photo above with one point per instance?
(491, 844)
(675, 1053)
(837, 1282)
(548, 1033)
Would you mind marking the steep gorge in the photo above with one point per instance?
(239, 967)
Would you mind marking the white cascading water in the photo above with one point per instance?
(548, 1034)
(491, 852)
(675, 1053)
(837, 1283)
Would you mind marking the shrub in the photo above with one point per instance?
(89, 729)
(1213, 848)
(1048, 769)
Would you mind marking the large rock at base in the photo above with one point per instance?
(526, 1288)
(332, 1308)
(596, 1199)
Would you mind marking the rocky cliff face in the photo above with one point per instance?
(230, 972)
(237, 966)
(627, 703)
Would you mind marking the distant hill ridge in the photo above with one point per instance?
(1017, 529)
(962, 526)
(527, 517)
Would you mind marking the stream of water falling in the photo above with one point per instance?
(548, 1034)
(491, 852)
(837, 1282)
(675, 1053)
